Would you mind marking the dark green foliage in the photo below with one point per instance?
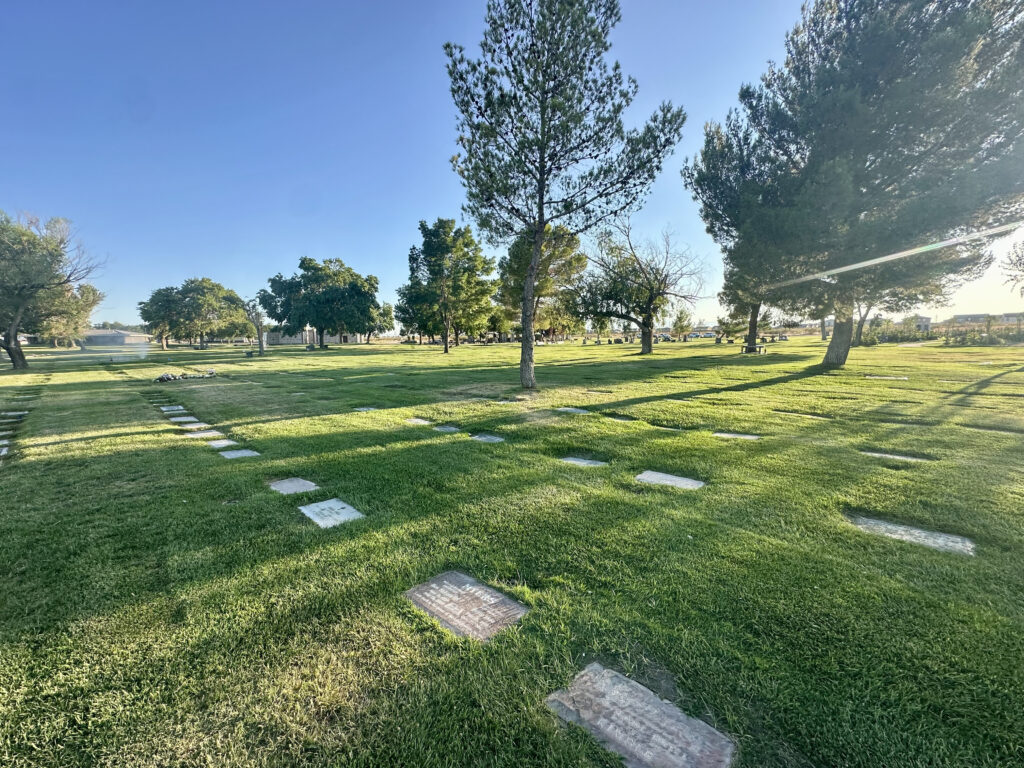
(540, 129)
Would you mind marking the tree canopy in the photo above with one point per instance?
(540, 127)
(42, 281)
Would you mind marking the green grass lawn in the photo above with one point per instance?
(161, 606)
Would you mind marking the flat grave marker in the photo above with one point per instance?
(240, 454)
(805, 415)
(584, 462)
(204, 434)
(945, 542)
(169, 408)
(488, 439)
(661, 478)
(888, 378)
(893, 456)
(225, 443)
(572, 409)
(446, 428)
(293, 485)
(3, 451)
(364, 408)
(14, 413)
(6, 432)
(465, 606)
(194, 425)
(735, 435)
(329, 513)
(635, 723)
(418, 421)
(182, 419)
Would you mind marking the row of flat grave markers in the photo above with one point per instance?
(623, 715)
(9, 420)
(200, 430)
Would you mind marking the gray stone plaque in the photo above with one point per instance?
(584, 462)
(571, 409)
(632, 721)
(446, 428)
(293, 485)
(5, 442)
(205, 434)
(894, 456)
(221, 443)
(169, 408)
(14, 413)
(418, 421)
(182, 419)
(803, 415)
(3, 451)
(242, 454)
(946, 542)
(488, 439)
(365, 408)
(329, 513)
(6, 432)
(736, 435)
(889, 378)
(194, 425)
(465, 606)
(660, 478)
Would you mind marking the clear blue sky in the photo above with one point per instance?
(227, 139)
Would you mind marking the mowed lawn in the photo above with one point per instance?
(160, 605)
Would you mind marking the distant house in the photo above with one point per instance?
(1013, 317)
(308, 336)
(108, 337)
(921, 324)
(969, 319)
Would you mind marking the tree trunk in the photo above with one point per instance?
(321, 333)
(11, 344)
(259, 338)
(445, 332)
(163, 341)
(527, 375)
(824, 333)
(751, 342)
(647, 335)
(842, 335)
(858, 332)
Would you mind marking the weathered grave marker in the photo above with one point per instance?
(446, 428)
(736, 435)
(364, 408)
(945, 542)
(584, 462)
(329, 513)
(194, 425)
(204, 434)
(220, 443)
(418, 421)
(169, 408)
(660, 478)
(488, 439)
(183, 419)
(14, 413)
(894, 456)
(632, 721)
(241, 454)
(465, 606)
(293, 485)
(888, 378)
(571, 409)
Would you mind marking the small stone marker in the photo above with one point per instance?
(418, 421)
(6, 432)
(660, 478)
(3, 451)
(293, 485)
(446, 428)
(205, 433)
(632, 721)
(945, 542)
(183, 419)
(169, 408)
(736, 435)
(365, 408)
(14, 413)
(889, 378)
(329, 513)
(488, 439)
(804, 415)
(242, 454)
(5, 442)
(194, 425)
(571, 409)
(894, 456)
(465, 606)
(220, 443)
(584, 462)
